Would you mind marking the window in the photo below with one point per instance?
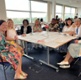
(21, 9)
(39, 10)
(17, 5)
(38, 6)
(59, 11)
(39, 15)
(64, 11)
(69, 12)
(18, 16)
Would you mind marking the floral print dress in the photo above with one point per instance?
(9, 52)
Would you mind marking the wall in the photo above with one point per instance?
(2, 10)
(79, 12)
(51, 10)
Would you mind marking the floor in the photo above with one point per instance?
(36, 71)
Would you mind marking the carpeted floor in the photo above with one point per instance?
(36, 71)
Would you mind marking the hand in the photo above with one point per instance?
(7, 47)
(16, 38)
(23, 35)
(72, 33)
(76, 41)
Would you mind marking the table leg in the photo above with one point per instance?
(48, 61)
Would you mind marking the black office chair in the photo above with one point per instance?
(79, 58)
(76, 67)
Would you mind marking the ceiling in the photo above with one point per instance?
(74, 3)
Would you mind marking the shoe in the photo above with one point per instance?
(20, 78)
(65, 66)
(63, 63)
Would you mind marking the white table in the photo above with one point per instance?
(48, 39)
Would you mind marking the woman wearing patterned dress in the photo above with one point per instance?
(9, 53)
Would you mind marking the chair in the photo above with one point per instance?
(75, 68)
(5, 66)
(79, 58)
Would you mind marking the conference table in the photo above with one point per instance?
(48, 39)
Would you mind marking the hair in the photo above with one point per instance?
(41, 20)
(26, 21)
(68, 20)
(2, 21)
(78, 19)
(36, 21)
(53, 19)
(12, 22)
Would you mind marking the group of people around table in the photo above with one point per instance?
(12, 52)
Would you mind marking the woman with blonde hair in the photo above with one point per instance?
(11, 38)
(11, 35)
(37, 26)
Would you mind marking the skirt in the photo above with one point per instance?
(74, 50)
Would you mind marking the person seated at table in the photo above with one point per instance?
(78, 28)
(10, 53)
(69, 28)
(53, 26)
(37, 26)
(11, 35)
(61, 24)
(74, 51)
(25, 28)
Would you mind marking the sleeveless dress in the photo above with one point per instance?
(11, 33)
(9, 52)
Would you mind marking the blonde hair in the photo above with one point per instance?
(36, 22)
(9, 27)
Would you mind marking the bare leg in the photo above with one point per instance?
(20, 67)
(67, 58)
(18, 75)
(71, 59)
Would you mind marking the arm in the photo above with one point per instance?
(9, 39)
(21, 30)
(29, 30)
(79, 32)
(78, 41)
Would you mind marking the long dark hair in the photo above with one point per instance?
(2, 21)
(68, 20)
(25, 20)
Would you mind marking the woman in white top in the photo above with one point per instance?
(11, 37)
(74, 49)
(69, 28)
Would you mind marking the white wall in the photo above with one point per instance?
(2, 10)
(51, 10)
(79, 12)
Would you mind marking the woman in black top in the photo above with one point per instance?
(25, 28)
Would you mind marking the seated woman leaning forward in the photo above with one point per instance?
(10, 53)
(74, 51)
